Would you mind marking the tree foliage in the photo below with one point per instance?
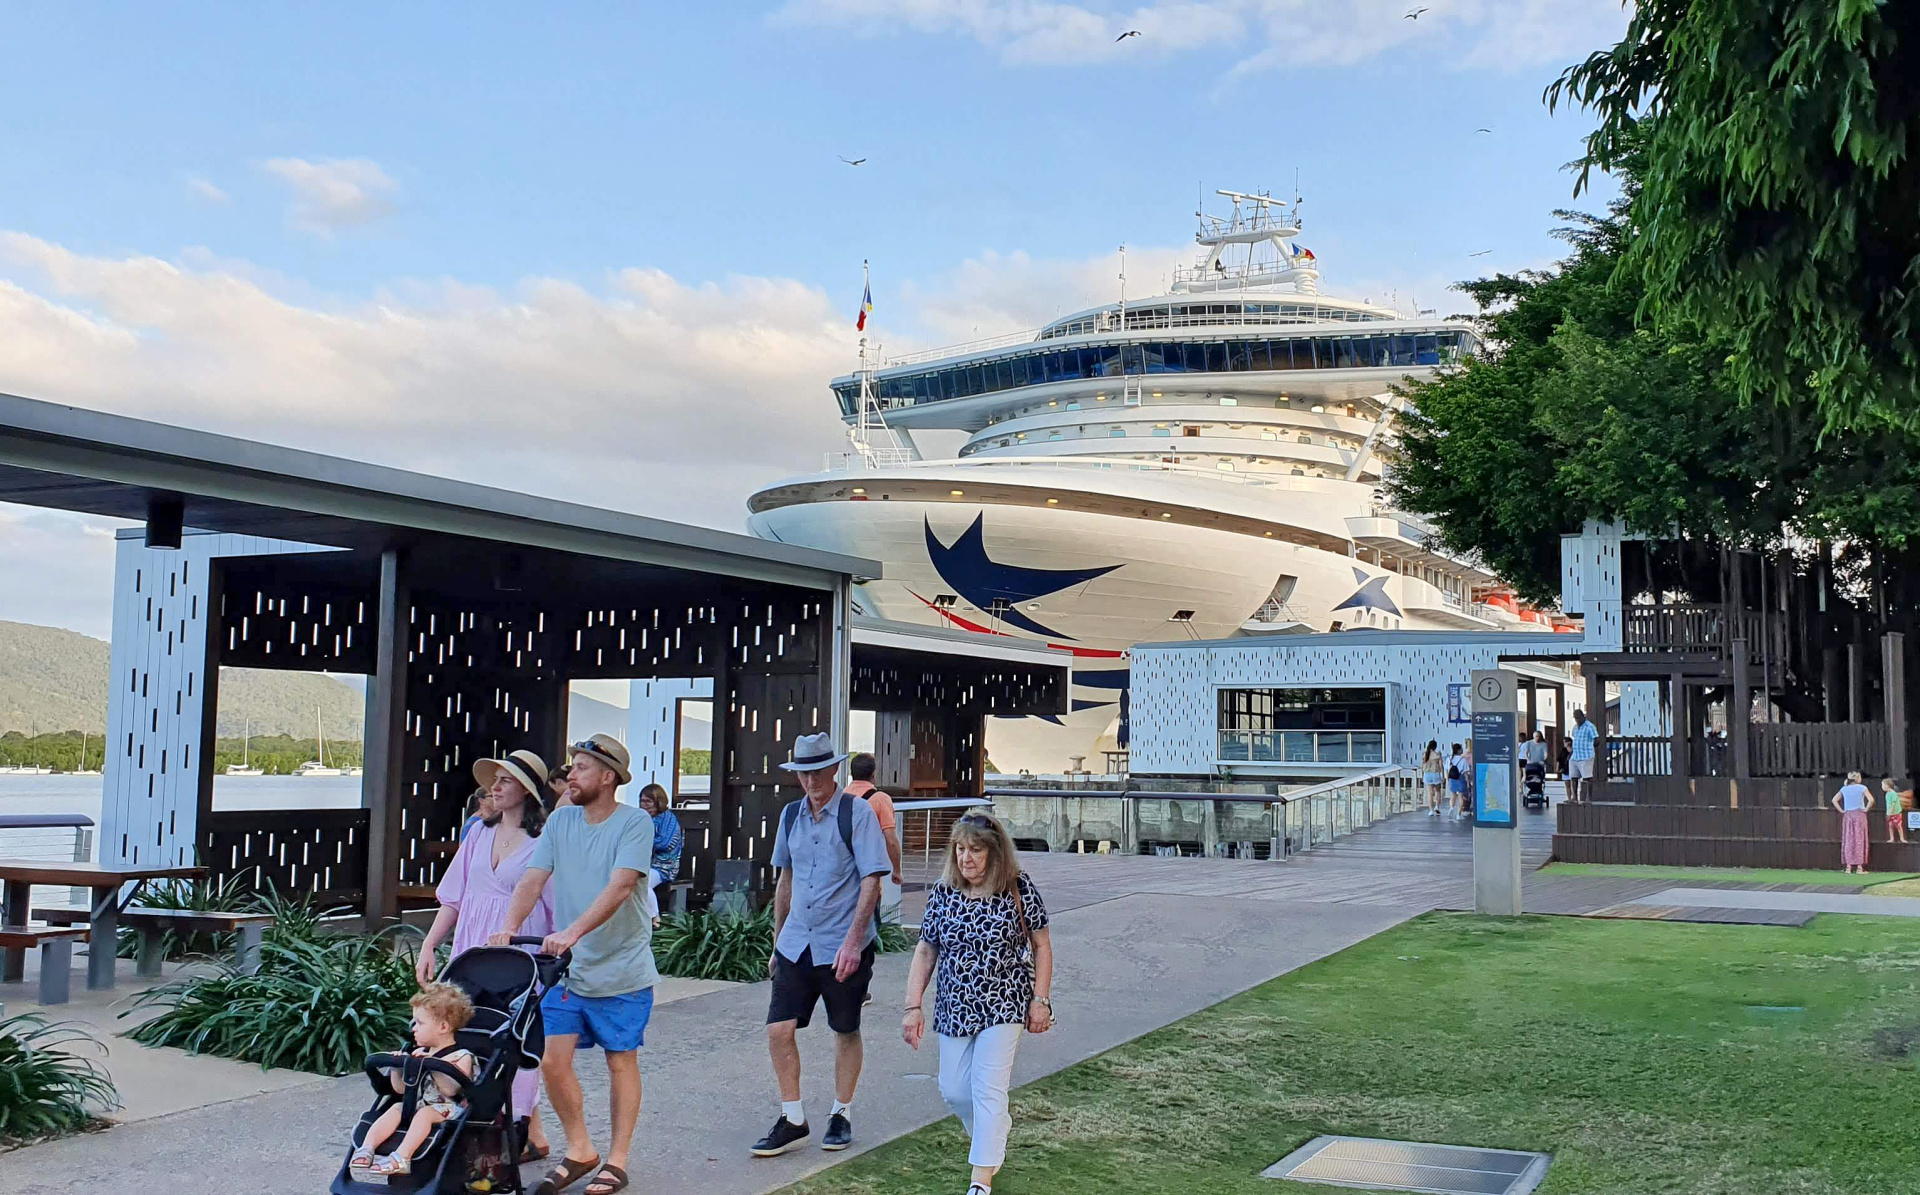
(1779, 190)
(1582, 410)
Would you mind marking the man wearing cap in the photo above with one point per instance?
(596, 851)
(830, 855)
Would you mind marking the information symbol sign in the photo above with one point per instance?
(1489, 688)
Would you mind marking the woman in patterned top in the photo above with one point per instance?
(668, 841)
(985, 932)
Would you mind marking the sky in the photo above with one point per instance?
(611, 252)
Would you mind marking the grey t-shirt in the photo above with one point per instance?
(616, 958)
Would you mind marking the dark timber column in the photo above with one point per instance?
(386, 740)
(1893, 655)
(1597, 714)
(1677, 722)
(1859, 703)
(214, 617)
(1740, 715)
(1833, 684)
(1533, 705)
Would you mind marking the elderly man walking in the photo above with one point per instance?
(1580, 763)
(831, 856)
(597, 853)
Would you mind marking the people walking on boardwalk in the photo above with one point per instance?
(830, 856)
(1534, 750)
(1851, 802)
(597, 852)
(668, 841)
(1456, 781)
(860, 772)
(478, 887)
(985, 936)
(1467, 778)
(1896, 810)
(1433, 769)
(1580, 760)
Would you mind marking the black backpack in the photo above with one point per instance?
(1453, 771)
(791, 814)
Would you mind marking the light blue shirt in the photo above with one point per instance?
(1854, 798)
(1583, 737)
(826, 877)
(616, 958)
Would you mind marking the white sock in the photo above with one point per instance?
(840, 1109)
(794, 1111)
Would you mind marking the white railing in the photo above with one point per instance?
(889, 360)
(1304, 485)
(1303, 746)
(1241, 825)
(873, 458)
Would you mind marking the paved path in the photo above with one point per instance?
(1799, 902)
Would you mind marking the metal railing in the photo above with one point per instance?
(1243, 825)
(873, 458)
(53, 837)
(1303, 746)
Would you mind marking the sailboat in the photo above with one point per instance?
(33, 769)
(318, 767)
(83, 769)
(244, 767)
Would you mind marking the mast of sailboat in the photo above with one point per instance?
(320, 734)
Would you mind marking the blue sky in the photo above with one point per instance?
(451, 237)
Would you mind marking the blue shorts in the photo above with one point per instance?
(613, 1023)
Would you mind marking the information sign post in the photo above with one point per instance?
(1496, 835)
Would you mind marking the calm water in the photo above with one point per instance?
(81, 794)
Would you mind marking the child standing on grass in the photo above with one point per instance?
(1896, 810)
(440, 1010)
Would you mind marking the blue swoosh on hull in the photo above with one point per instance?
(965, 566)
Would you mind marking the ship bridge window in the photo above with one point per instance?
(945, 601)
(1117, 433)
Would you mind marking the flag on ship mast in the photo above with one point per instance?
(866, 303)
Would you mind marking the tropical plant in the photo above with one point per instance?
(318, 1003)
(45, 1087)
(734, 946)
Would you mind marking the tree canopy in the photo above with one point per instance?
(1582, 410)
(1779, 190)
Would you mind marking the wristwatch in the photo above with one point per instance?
(1045, 1001)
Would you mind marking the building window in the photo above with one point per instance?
(1189, 431)
(1181, 616)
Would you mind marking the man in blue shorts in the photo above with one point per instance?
(596, 851)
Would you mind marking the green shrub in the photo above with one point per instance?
(318, 1003)
(734, 946)
(46, 1088)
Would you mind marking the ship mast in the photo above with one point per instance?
(869, 417)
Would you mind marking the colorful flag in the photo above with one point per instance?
(866, 309)
(1303, 251)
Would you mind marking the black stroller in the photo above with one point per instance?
(477, 1149)
(1535, 782)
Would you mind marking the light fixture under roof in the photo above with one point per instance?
(1053, 502)
(1166, 514)
(1317, 409)
(957, 493)
(1156, 394)
(859, 489)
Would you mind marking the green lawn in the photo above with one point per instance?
(1753, 875)
(1647, 1057)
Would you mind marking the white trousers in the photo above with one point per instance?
(975, 1073)
(654, 880)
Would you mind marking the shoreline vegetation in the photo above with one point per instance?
(274, 755)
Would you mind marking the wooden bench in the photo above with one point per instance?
(56, 954)
(675, 900)
(153, 926)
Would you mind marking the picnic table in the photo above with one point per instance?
(18, 876)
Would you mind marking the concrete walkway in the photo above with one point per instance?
(1798, 902)
(1141, 942)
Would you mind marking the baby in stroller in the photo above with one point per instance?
(1536, 784)
(440, 1012)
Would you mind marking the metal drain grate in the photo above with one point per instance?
(1411, 1166)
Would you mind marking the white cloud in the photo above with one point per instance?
(207, 191)
(334, 194)
(60, 569)
(1263, 34)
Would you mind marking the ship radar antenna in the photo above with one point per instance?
(1123, 287)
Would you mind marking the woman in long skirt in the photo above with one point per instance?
(1852, 802)
(985, 929)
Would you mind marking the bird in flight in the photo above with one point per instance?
(1482, 253)
(1413, 14)
(1483, 130)
(852, 161)
(1129, 33)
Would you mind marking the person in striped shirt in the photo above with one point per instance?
(1580, 772)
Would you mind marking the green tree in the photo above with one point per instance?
(1779, 190)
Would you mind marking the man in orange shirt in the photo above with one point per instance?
(861, 769)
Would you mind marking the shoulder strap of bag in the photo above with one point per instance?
(792, 815)
(1020, 909)
(846, 822)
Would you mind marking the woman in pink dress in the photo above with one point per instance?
(478, 886)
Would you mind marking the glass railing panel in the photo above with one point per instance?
(1298, 746)
(1235, 745)
(1369, 747)
(1335, 747)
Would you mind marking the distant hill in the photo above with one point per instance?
(53, 679)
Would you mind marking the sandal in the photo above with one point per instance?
(608, 1185)
(567, 1173)
(391, 1165)
(360, 1159)
(530, 1155)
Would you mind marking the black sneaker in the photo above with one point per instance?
(784, 1136)
(839, 1132)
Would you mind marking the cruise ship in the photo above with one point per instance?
(1203, 463)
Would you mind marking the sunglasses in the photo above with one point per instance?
(587, 745)
(984, 820)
